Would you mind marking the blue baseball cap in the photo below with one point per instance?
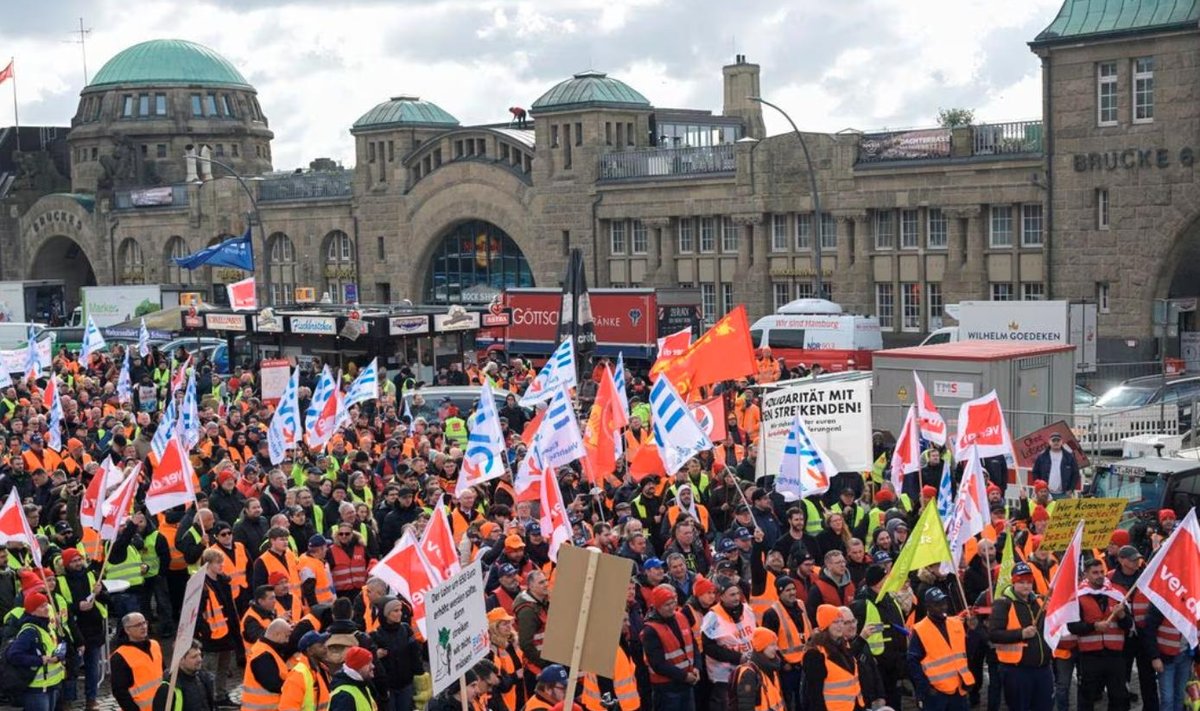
(653, 563)
(310, 638)
(935, 595)
(881, 557)
(507, 569)
(533, 529)
(554, 674)
(726, 545)
(743, 533)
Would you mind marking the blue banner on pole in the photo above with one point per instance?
(237, 253)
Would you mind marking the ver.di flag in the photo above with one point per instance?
(284, 430)
(365, 386)
(558, 372)
(484, 458)
(1172, 579)
(805, 469)
(93, 341)
(14, 527)
(1063, 606)
(926, 545)
(981, 423)
(406, 573)
(929, 420)
(437, 546)
(556, 527)
(119, 505)
(907, 457)
(171, 482)
(677, 434)
(320, 421)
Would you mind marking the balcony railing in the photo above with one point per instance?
(1003, 138)
(669, 162)
(145, 198)
(306, 186)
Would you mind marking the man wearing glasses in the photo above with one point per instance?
(347, 561)
(136, 664)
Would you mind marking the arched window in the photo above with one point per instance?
(174, 273)
(473, 262)
(339, 267)
(133, 266)
(282, 264)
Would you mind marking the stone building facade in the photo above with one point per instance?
(1094, 202)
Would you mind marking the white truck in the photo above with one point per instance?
(35, 300)
(111, 305)
(1024, 322)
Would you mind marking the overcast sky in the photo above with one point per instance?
(318, 65)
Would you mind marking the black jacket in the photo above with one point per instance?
(1068, 469)
(226, 505)
(197, 690)
(251, 533)
(1035, 653)
(403, 659)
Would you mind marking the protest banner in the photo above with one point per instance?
(457, 627)
(587, 606)
(837, 412)
(1100, 517)
(274, 374)
(1028, 448)
(188, 612)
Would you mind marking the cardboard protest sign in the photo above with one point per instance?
(836, 412)
(457, 626)
(1100, 517)
(604, 604)
(1028, 448)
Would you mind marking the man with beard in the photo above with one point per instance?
(666, 634)
(833, 586)
(648, 508)
(226, 501)
(787, 620)
(538, 548)
(306, 685)
(686, 542)
(274, 496)
(531, 608)
(505, 594)
(514, 555)
(727, 630)
(251, 529)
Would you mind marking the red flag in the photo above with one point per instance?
(602, 439)
(532, 426)
(646, 462)
(438, 545)
(711, 416)
(907, 456)
(405, 573)
(242, 295)
(14, 527)
(91, 506)
(171, 482)
(51, 391)
(981, 423)
(1063, 605)
(118, 506)
(1172, 579)
(675, 344)
(933, 427)
(556, 527)
(724, 352)
(179, 376)
(8, 72)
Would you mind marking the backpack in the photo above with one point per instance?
(14, 679)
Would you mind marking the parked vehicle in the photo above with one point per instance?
(1084, 397)
(464, 398)
(41, 300)
(1150, 484)
(817, 332)
(1138, 406)
(1026, 322)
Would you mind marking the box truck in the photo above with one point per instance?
(1028, 322)
(111, 305)
(39, 300)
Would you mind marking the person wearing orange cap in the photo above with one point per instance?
(671, 652)
(352, 689)
(76, 459)
(831, 672)
(756, 682)
(507, 659)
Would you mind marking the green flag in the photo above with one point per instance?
(877, 470)
(926, 545)
(1007, 560)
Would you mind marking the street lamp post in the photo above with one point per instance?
(254, 211)
(818, 222)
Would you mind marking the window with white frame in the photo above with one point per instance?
(938, 229)
(616, 232)
(885, 233)
(910, 307)
(779, 233)
(803, 233)
(828, 232)
(1033, 291)
(726, 297)
(910, 234)
(779, 294)
(638, 242)
(687, 238)
(1031, 225)
(885, 305)
(1102, 297)
(936, 304)
(804, 290)
(708, 236)
(1106, 94)
(1102, 222)
(1143, 89)
(731, 235)
(708, 302)
(1002, 291)
(1001, 232)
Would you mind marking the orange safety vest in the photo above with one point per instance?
(236, 567)
(679, 653)
(93, 545)
(325, 592)
(506, 665)
(1139, 604)
(791, 639)
(945, 662)
(1010, 653)
(842, 689)
(701, 511)
(769, 696)
(537, 703)
(505, 599)
(147, 672)
(370, 624)
(291, 568)
(761, 603)
(624, 686)
(349, 570)
(1112, 638)
(214, 617)
(1170, 640)
(168, 532)
(1067, 644)
(254, 696)
(294, 613)
(295, 687)
(262, 621)
(1041, 582)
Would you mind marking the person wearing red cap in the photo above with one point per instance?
(1166, 524)
(671, 652)
(36, 655)
(1039, 518)
(351, 686)
(87, 607)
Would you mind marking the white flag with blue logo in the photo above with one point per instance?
(93, 341)
(619, 381)
(166, 428)
(189, 415)
(484, 458)
(558, 372)
(557, 442)
(365, 386)
(143, 339)
(805, 468)
(320, 421)
(678, 435)
(54, 432)
(124, 386)
(33, 361)
(284, 431)
(945, 495)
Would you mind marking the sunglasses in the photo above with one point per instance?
(225, 533)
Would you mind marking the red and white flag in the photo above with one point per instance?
(243, 295)
(981, 423)
(91, 506)
(907, 457)
(933, 427)
(171, 482)
(7, 72)
(711, 416)
(675, 344)
(119, 505)
(1172, 579)
(14, 527)
(178, 378)
(405, 573)
(437, 546)
(556, 527)
(1063, 606)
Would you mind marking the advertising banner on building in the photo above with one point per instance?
(626, 318)
(836, 411)
(902, 145)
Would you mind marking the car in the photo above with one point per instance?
(1084, 397)
(1150, 484)
(464, 398)
(1138, 406)
(215, 350)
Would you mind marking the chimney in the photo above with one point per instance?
(741, 82)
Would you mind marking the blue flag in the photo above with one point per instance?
(237, 253)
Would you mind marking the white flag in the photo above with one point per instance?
(320, 421)
(124, 386)
(365, 386)
(189, 415)
(484, 458)
(805, 468)
(619, 380)
(93, 342)
(558, 372)
(284, 431)
(678, 436)
(556, 443)
(143, 339)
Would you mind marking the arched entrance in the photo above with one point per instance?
(61, 257)
(473, 262)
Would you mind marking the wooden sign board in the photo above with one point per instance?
(602, 602)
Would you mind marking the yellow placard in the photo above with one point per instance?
(1100, 517)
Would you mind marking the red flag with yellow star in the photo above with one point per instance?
(724, 352)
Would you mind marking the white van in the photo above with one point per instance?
(816, 331)
(13, 334)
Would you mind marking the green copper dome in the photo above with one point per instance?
(404, 111)
(590, 89)
(169, 61)
(1078, 19)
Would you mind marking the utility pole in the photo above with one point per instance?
(82, 42)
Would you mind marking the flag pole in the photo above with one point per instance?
(12, 63)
